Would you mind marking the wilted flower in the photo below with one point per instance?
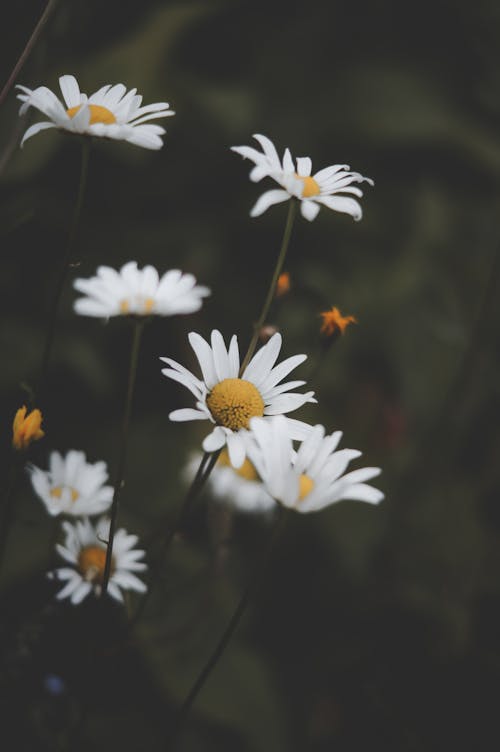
(334, 322)
(228, 400)
(312, 478)
(85, 550)
(138, 292)
(325, 188)
(72, 485)
(111, 112)
(26, 428)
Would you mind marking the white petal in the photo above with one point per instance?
(342, 204)
(275, 196)
(214, 440)
(304, 166)
(205, 358)
(34, 129)
(70, 91)
(220, 356)
(236, 449)
(309, 210)
(186, 413)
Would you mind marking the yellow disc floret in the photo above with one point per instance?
(98, 114)
(247, 471)
(311, 187)
(58, 491)
(233, 402)
(91, 563)
(306, 485)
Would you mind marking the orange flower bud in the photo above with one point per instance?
(26, 428)
(283, 285)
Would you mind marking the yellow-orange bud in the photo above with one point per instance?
(26, 428)
(334, 322)
(283, 284)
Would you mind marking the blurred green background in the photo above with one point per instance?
(375, 626)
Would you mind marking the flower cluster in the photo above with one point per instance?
(262, 457)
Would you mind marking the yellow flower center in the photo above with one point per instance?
(147, 305)
(306, 485)
(311, 187)
(233, 402)
(98, 114)
(247, 471)
(57, 492)
(91, 563)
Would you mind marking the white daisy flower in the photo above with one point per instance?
(325, 188)
(228, 400)
(85, 551)
(312, 478)
(138, 292)
(111, 112)
(240, 488)
(72, 485)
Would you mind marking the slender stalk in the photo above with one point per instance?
(205, 467)
(72, 235)
(122, 456)
(225, 638)
(7, 512)
(272, 287)
(27, 50)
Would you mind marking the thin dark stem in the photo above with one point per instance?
(230, 629)
(122, 456)
(272, 287)
(7, 512)
(27, 50)
(205, 467)
(66, 262)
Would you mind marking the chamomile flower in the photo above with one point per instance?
(229, 400)
(312, 478)
(138, 292)
(325, 188)
(84, 550)
(111, 112)
(72, 485)
(239, 488)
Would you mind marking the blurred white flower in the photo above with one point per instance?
(138, 292)
(239, 488)
(111, 112)
(312, 478)
(228, 400)
(85, 551)
(325, 188)
(72, 485)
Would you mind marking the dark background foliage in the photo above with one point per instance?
(374, 626)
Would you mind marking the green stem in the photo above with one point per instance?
(66, 262)
(122, 456)
(27, 50)
(272, 287)
(205, 467)
(7, 512)
(225, 638)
